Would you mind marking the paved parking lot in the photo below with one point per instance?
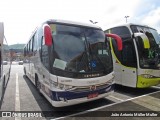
(123, 100)
(146, 107)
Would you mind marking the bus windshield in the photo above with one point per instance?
(79, 50)
(149, 58)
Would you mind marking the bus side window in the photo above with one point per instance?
(35, 43)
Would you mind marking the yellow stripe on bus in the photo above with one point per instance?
(146, 43)
(147, 82)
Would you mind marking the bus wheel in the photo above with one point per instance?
(24, 69)
(3, 86)
(38, 84)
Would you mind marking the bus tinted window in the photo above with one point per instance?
(68, 42)
(80, 49)
(121, 31)
(149, 58)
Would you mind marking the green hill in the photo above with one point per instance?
(17, 46)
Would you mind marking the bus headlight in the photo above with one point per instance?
(60, 85)
(53, 84)
(65, 87)
(68, 87)
(147, 76)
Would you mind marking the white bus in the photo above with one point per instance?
(5, 63)
(69, 62)
(138, 64)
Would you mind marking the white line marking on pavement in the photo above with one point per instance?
(94, 109)
(17, 100)
(149, 102)
(115, 98)
(157, 87)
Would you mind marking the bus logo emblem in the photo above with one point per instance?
(93, 87)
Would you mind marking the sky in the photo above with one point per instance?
(20, 17)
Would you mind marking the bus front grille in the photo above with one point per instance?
(89, 88)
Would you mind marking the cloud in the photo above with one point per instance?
(153, 19)
(116, 11)
(140, 12)
(148, 13)
(21, 17)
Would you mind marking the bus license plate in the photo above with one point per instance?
(92, 95)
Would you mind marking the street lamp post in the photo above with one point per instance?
(126, 18)
(93, 22)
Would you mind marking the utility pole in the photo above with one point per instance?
(126, 18)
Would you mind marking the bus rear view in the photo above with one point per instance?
(69, 62)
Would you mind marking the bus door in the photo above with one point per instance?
(125, 63)
(116, 55)
(129, 64)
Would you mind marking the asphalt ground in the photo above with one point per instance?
(21, 95)
(146, 107)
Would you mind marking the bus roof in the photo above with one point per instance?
(129, 24)
(71, 23)
(64, 22)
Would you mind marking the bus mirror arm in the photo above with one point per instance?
(144, 39)
(118, 40)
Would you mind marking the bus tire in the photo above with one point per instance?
(3, 86)
(9, 74)
(24, 69)
(38, 85)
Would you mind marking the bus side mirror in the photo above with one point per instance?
(118, 40)
(144, 41)
(47, 33)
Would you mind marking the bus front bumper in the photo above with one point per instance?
(67, 98)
